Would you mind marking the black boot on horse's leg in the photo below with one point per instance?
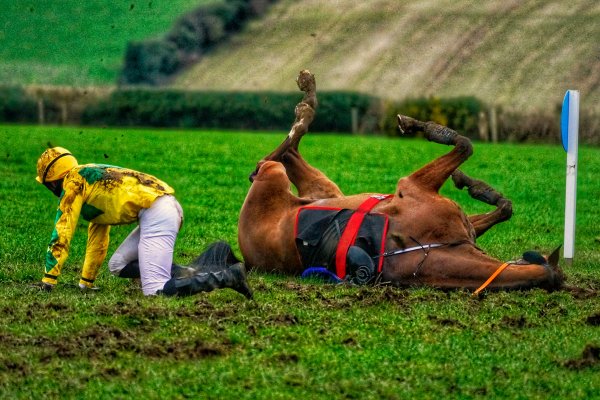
(483, 192)
(434, 132)
(478, 190)
(433, 175)
(196, 281)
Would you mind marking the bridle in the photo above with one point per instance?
(426, 248)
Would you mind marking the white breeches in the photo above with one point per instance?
(151, 243)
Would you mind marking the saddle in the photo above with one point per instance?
(342, 244)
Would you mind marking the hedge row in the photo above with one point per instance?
(16, 105)
(459, 113)
(337, 112)
(155, 61)
(275, 111)
(229, 110)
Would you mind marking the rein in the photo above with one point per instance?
(491, 278)
(410, 249)
(424, 247)
(427, 247)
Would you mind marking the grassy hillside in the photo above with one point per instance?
(523, 53)
(74, 42)
(519, 53)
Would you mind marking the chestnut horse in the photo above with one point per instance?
(428, 239)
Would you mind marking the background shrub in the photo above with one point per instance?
(150, 61)
(154, 61)
(275, 111)
(532, 127)
(16, 105)
(230, 110)
(460, 113)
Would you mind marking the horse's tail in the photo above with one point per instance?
(218, 255)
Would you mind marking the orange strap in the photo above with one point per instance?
(491, 278)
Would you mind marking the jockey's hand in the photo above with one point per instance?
(46, 287)
(85, 288)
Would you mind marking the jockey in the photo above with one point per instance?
(107, 195)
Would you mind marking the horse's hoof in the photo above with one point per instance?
(408, 124)
(306, 81)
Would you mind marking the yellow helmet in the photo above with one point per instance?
(54, 164)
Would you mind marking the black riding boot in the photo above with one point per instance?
(193, 281)
(132, 270)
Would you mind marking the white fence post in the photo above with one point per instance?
(570, 141)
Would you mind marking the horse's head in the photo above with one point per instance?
(444, 253)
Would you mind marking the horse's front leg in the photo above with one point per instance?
(481, 191)
(433, 175)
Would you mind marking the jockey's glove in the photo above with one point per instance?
(86, 288)
(46, 287)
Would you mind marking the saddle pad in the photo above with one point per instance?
(318, 231)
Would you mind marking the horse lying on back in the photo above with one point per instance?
(413, 237)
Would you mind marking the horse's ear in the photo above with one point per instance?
(553, 258)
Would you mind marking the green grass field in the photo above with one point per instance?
(299, 338)
(77, 43)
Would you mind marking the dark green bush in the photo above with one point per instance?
(334, 113)
(16, 105)
(149, 62)
(459, 113)
(229, 110)
(531, 127)
(154, 61)
(187, 35)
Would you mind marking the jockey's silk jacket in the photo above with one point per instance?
(104, 195)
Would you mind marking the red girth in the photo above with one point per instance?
(349, 236)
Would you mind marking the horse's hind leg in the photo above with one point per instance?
(481, 191)
(310, 182)
(304, 112)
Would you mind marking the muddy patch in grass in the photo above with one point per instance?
(283, 319)
(201, 309)
(106, 342)
(589, 357)
(580, 293)
(514, 322)
(593, 320)
(369, 296)
(447, 322)
(340, 298)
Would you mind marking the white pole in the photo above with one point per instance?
(571, 186)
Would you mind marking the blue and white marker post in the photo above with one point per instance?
(569, 124)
